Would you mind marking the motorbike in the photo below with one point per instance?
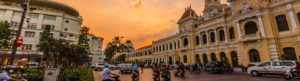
(156, 76)
(134, 76)
(176, 72)
(116, 78)
(289, 75)
(166, 76)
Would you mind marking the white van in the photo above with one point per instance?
(271, 68)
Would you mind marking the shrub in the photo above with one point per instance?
(34, 74)
(75, 74)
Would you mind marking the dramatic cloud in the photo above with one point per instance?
(152, 20)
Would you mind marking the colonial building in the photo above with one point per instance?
(95, 44)
(244, 31)
(64, 20)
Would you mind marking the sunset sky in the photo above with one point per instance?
(141, 21)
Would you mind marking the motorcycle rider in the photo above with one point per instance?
(297, 68)
(106, 73)
(166, 74)
(135, 69)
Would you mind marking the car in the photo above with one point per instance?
(99, 66)
(218, 67)
(126, 67)
(271, 68)
(32, 65)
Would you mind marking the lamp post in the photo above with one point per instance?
(14, 49)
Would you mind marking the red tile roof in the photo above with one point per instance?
(188, 13)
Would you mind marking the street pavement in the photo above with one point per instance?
(204, 76)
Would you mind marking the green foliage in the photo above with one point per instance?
(83, 39)
(35, 74)
(76, 74)
(5, 34)
(59, 51)
(287, 57)
(117, 46)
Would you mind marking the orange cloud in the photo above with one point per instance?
(153, 20)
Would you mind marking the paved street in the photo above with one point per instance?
(204, 76)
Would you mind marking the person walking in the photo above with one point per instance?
(142, 66)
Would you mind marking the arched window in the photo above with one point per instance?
(290, 51)
(282, 23)
(223, 57)
(163, 47)
(197, 40)
(178, 44)
(231, 33)
(250, 28)
(171, 46)
(221, 35)
(197, 58)
(213, 57)
(185, 42)
(234, 59)
(170, 60)
(184, 59)
(212, 37)
(298, 15)
(254, 55)
(204, 39)
(205, 60)
(175, 45)
(159, 48)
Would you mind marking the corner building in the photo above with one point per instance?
(64, 20)
(244, 31)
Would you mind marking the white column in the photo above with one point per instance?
(207, 40)
(193, 58)
(261, 26)
(292, 16)
(200, 41)
(174, 59)
(216, 37)
(225, 31)
(239, 29)
(189, 42)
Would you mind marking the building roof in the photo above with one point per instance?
(51, 4)
(189, 12)
(145, 47)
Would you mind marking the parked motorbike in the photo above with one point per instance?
(289, 75)
(134, 76)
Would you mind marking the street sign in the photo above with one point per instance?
(19, 41)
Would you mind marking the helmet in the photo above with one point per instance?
(106, 65)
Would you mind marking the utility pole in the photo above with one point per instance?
(14, 49)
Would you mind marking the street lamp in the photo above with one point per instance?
(14, 49)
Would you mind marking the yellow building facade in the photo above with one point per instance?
(243, 31)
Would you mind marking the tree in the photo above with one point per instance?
(286, 57)
(83, 38)
(45, 44)
(5, 34)
(117, 46)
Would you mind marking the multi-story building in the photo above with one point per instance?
(244, 31)
(95, 44)
(64, 20)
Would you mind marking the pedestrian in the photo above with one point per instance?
(242, 67)
(142, 66)
(5, 77)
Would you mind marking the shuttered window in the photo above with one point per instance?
(282, 23)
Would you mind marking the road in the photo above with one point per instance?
(204, 76)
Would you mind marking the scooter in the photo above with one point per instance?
(176, 72)
(134, 76)
(116, 78)
(289, 75)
